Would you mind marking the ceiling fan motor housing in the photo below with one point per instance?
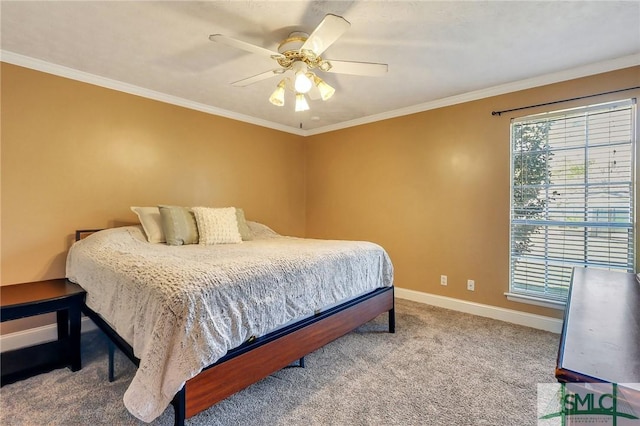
(290, 49)
(293, 43)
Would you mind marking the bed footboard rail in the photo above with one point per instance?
(261, 357)
(246, 365)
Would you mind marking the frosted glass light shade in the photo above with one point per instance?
(325, 90)
(301, 103)
(277, 97)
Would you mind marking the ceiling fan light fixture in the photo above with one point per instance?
(277, 97)
(301, 103)
(302, 83)
(325, 90)
(300, 54)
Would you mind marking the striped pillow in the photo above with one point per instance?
(179, 225)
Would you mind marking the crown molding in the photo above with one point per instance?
(85, 77)
(570, 74)
(557, 77)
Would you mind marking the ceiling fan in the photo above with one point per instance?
(300, 54)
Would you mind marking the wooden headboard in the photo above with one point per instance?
(81, 234)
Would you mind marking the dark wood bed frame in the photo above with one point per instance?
(257, 359)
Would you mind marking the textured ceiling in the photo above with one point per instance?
(435, 50)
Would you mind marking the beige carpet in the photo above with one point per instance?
(440, 368)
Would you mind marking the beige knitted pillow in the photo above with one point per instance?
(217, 225)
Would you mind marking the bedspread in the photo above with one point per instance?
(181, 308)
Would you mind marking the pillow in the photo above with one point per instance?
(217, 225)
(245, 232)
(178, 225)
(150, 219)
(258, 230)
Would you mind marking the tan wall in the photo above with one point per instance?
(433, 188)
(78, 156)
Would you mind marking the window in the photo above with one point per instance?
(572, 176)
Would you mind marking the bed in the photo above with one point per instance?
(203, 322)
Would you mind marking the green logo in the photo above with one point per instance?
(589, 403)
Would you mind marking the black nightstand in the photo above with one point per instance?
(35, 298)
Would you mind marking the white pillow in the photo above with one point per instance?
(151, 223)
(217, 225)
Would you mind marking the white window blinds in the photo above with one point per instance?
(572, 176)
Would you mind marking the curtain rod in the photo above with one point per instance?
(564, 100)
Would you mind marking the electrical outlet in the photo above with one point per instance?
(471, 285)
(443, 280)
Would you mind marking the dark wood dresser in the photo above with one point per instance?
(600, 339)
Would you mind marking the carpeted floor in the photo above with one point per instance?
(440, 368)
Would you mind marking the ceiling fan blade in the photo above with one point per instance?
(328, 31)
(243, 45)
(256, 78)
(358, 68)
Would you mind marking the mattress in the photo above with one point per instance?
(181, 308)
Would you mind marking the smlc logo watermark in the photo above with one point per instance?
(580, 404)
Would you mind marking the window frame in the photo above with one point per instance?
(543, 298)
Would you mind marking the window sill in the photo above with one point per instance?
(538, 301)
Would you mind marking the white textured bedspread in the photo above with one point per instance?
(182, 308)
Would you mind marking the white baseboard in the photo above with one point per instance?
(540, 322)
(34, 336)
